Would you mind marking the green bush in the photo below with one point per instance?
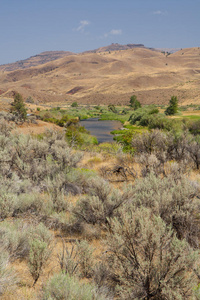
(74, 104)
(112, 108)
(150, 116)
(142, 113)
(78, 136)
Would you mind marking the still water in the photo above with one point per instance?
(101, 129)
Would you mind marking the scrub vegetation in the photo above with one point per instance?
(110, 221)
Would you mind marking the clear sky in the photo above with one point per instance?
(29, 27)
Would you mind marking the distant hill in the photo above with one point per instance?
(107, 77)
(35, 60)
(49, 56)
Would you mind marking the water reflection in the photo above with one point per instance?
(101, 129)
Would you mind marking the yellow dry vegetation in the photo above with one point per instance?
(103, 78)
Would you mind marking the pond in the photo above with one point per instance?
(101, 129)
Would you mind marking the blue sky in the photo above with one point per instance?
(29, 27)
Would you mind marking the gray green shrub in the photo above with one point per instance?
(7, 275)
(147, 260)
(14, 239)
(76, 259)
(173, 198)
(63, 287)
(101, 203)
(40, 243)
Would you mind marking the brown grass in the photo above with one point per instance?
(110, 78)
(41, 127)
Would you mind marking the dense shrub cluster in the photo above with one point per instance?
(141, 114)
(37, 174)
(167, 146)
(152, 241)
(152, 119)
(150, 228)
(153, 234)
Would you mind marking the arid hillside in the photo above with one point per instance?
(110, 77)
(35, 60)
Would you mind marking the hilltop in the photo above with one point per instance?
(116, 47)
(35, 60)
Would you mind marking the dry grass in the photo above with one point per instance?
(36, 128)
(110, 78)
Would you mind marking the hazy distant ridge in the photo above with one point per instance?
(36, 60)
(49, 56)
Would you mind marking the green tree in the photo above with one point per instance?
(134, 103)
(74, 104)
(18, 107)
(173, 106)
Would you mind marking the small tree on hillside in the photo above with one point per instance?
(172, 109)
(18, 107)
(134, 103)
(74, 104)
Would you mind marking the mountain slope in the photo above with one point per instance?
(113, 77)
